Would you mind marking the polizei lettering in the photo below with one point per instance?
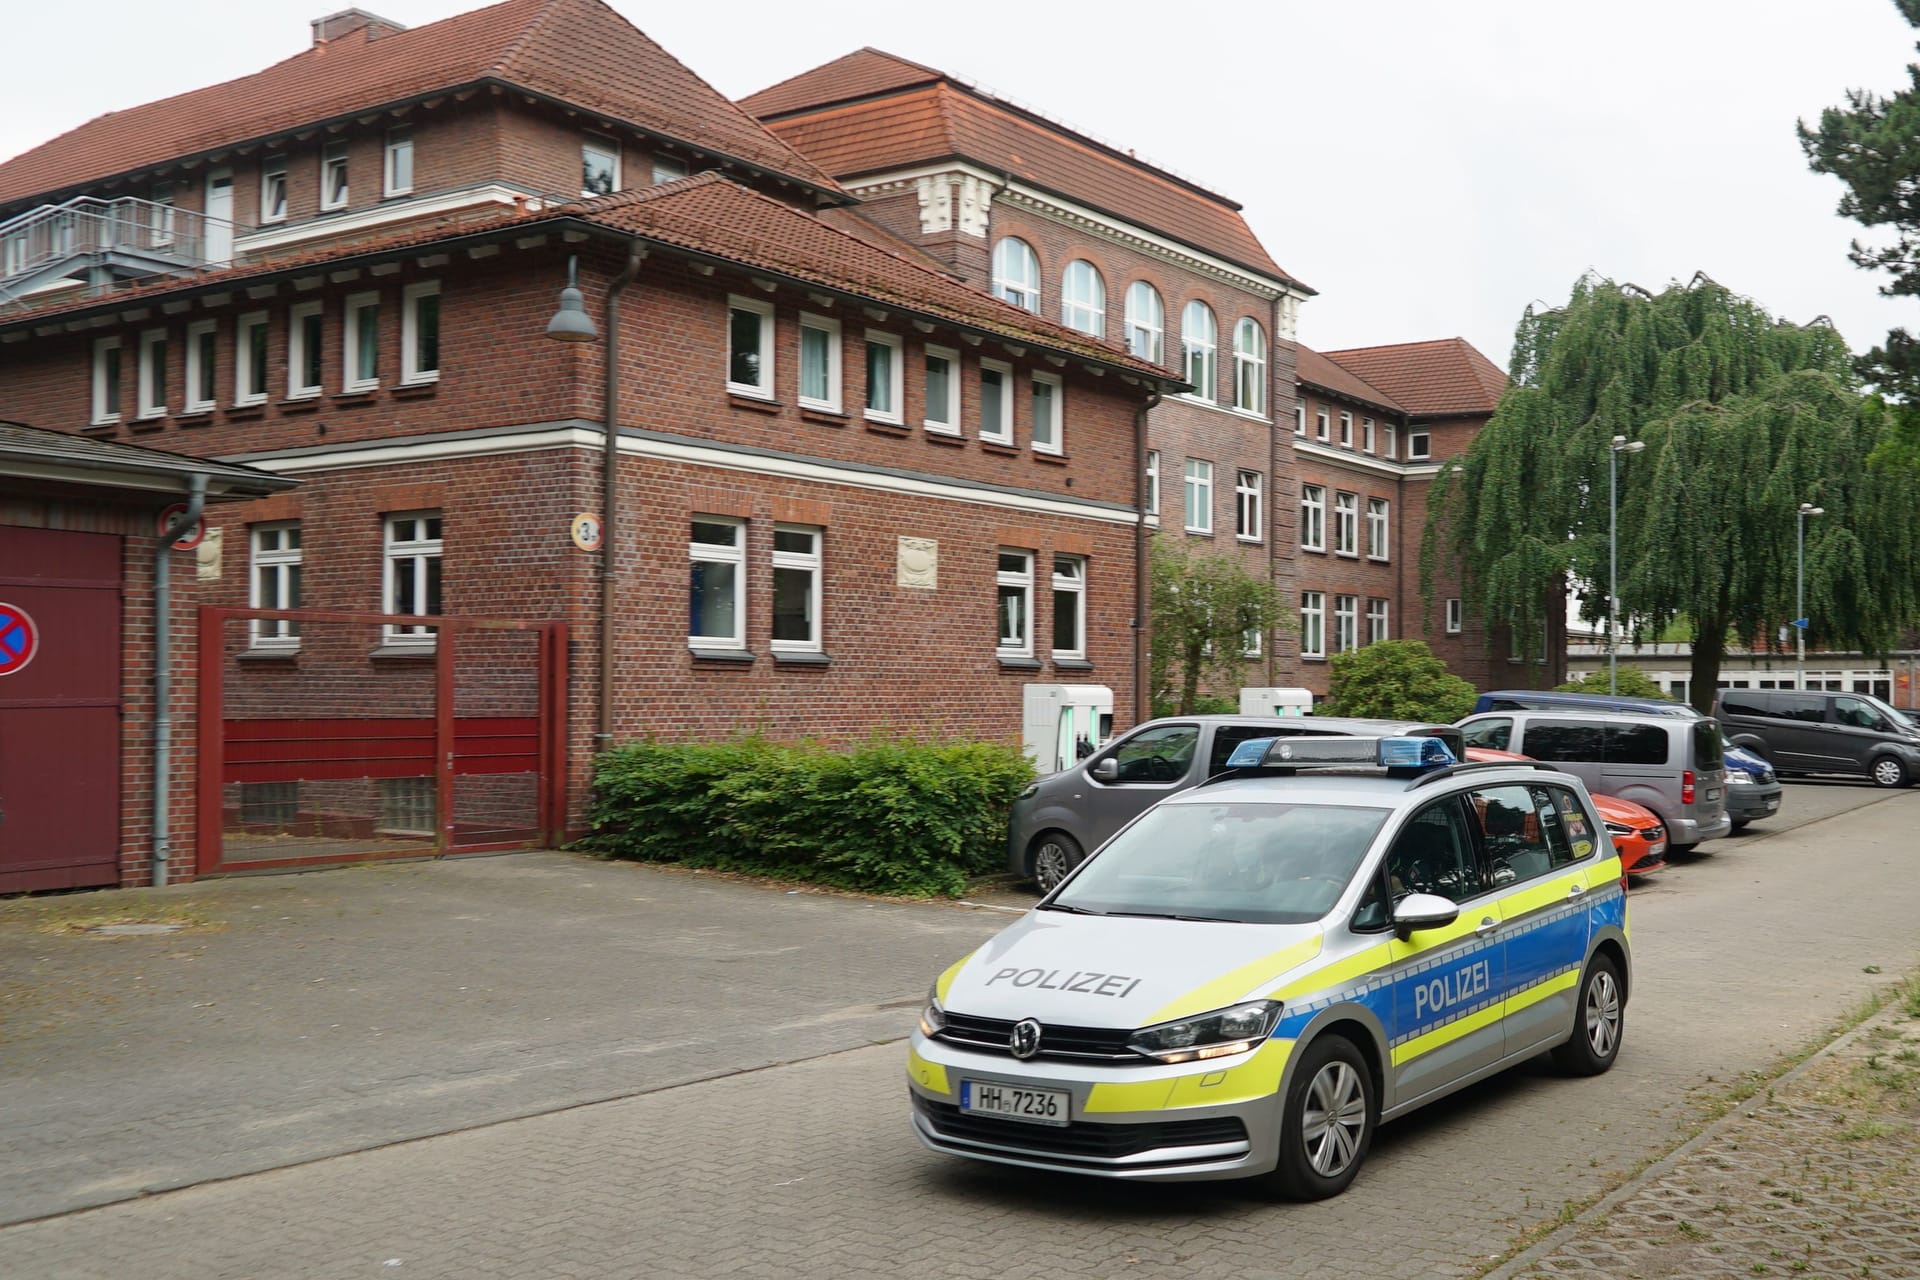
(1440, 994)
(1118, 985)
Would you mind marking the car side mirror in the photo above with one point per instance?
(1419, 911)
(1106, 769)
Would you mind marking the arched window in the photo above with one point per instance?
(1016, 273)
(1200, 338)
(1146, 322)
(1083, 298)
(1249, 366)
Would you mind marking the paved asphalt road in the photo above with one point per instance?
(542, 1065)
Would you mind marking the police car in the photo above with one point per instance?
(1252, 975)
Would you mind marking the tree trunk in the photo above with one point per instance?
(1709, 650)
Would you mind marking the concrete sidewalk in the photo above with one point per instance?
(1817, 1174)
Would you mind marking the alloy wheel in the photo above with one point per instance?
(1603, 1013)
(1335, 1119)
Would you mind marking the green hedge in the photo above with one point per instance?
(888, 817)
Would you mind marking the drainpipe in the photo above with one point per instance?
(610, 499)
(163, 673)
(1142, 570)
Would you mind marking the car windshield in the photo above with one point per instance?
(1242, 862)
(1900, 719)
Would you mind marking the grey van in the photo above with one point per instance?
(1670, 764)
(1058, 819)
(1817, 732)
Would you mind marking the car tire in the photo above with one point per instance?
(1327, 1122)
(1055, 854)
(1600, 1018)
(1887, 772)
(1740, 824)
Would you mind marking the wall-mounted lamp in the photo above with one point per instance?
(571, 323)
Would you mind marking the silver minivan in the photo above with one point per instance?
(1670, 764)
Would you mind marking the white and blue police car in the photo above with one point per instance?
(1254, 974)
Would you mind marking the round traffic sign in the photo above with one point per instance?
(587, 531)
(188, 540)
(19, 639)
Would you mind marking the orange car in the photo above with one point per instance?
(1637, 832)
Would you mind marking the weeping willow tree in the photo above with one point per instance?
(1744, 417)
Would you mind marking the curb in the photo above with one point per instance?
(1599, 1210)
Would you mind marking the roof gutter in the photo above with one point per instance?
(163, 673)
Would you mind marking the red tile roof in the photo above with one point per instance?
(871, 111)
(712, 216)
(1443, 378)
(578, 51)
(1335, 379)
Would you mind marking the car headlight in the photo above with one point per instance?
(1618, 830)
(933, 1019)
(1739, 777)
(1211, 1035)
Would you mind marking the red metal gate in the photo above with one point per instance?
(60, 680)
(329, 737)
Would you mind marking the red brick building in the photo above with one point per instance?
(853, 491)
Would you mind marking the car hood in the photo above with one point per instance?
(1115, 971)
(1626, 812)
(1741, 758)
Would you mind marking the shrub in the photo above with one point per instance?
(1395, 680)
(1633, 684)
(887, 817)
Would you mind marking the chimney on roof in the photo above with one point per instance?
(348, 21)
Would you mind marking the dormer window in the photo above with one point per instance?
(399, 162)
(333, 176)
(273, 189)
(599, 166)
(667, 169)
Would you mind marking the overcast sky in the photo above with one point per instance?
(1430, 168)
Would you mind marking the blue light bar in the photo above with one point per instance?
(1250, 754)
(1307, 750)
(1414, 753)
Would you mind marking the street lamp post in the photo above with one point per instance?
(1619, 445)
(1800, 591)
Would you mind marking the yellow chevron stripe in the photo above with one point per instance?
(1439, 1036)
(945, 980)
(1535, 994)
(1234, 986)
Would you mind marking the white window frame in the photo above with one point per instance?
(1313, 624)
(601, 145)
(1070, 591)
(1346, 524)
(949, 424)
(1022, 581)
(1346, 429)
(1389, 441)
(1453, 615)
(1366, 435)
(399, 143)
(1200, 344)
(1346, 624)
(1253, 643)
(1313, 517)
(1050, 436)
(1323, 423)
(417, 550)
(764, 310)
(350, 312)
(297, 316)
(1300, 419)
(1022, 290)
(160, 219)
(269, 633)
(1419, 446)
(1153, 481)
(812, 564)
(1084, 309)
(713, 553)
(411, 374)
(195, 367)
(245, 392)
(1151, 329)
(105, 413)
(151, 375)
(1197, 495)
(896, 378)
(330, 154)
(1001, 433)
(1250, 367)
(1379, 529)
(1249, 494)
(664, 169)
(270, 168)
(836, 363)
(1378, 628)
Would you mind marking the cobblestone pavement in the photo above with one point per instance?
(807, 1167)
(1818, 1176)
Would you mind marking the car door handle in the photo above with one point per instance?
(1576, 891)
(1487, 927)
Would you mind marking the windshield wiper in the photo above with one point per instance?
(1071, 910)
(1207, 919)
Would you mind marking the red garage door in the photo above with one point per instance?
(59, 709)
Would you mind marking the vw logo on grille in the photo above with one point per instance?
(1025, 1041)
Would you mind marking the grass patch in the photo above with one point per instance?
(75, 915)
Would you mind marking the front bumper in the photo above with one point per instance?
(1148, 1123)
(1750, 803)
(1684, 833)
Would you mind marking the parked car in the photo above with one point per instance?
(1057, 820)
(1638, 835)
(1753, 790)
(1810, 731)
(1670, 764)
